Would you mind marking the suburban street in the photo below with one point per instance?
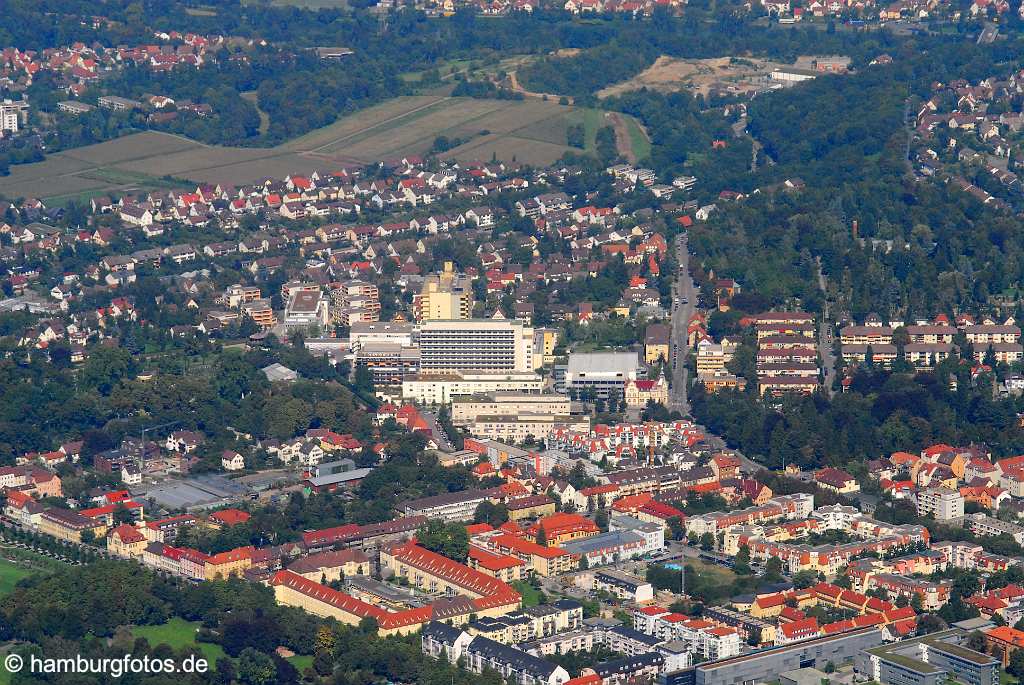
(825, 351)
(683, 307)
(684, 302)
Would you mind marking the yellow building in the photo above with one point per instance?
(445, 296)
(531, 507)
(68, 525)
(126, 541)
(544, 561)
(429, 571)
(837, 481)
(640, 392)
(545, 340)
(501, 566)
(722, 382)
(332, 565)
(657, 341)
(231, 563)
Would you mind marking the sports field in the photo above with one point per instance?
(528, 131)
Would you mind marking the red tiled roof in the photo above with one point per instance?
(805, 627)
(492, 591)
(493, 562)
(653, 611)
(330, 535)
(230, 517)
(128, 534)
(232, 555)
(523, 546)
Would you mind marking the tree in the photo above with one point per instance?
(804, 579)
(976, 641)
(707, 542)
(226, 673)
(492, 514)
(105, 367)
(542, 535)
(255, 668)
(448, 539)
(742, 562)
(1016, 665)
(325, 641)
(676, 528)
(930, 623)
(773, 570)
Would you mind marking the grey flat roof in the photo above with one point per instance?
(592, 362)
(343, 477)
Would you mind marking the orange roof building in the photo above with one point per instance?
(561, 528)
(228, 517)
(1003, 641)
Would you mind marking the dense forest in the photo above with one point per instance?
(882, 413)
(918, 248)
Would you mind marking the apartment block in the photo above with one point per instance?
(942, 504)
(485, 345)
(444, 296)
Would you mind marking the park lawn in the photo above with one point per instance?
(301, 661)
(10, 574)
(531, 595)
(178, 633)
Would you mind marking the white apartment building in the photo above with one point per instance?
(711, 359)
(306, 308)
(943, 504)
(982, 524)
(466, 410)
(426, 388)
(488, 345)
(516, 428)
(984, 334)
(380, 332)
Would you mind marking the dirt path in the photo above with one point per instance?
(622, 140)
(516, 87)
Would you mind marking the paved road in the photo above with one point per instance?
(437, 432)
(684, 301)
(825, 351)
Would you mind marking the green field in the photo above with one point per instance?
(10, 574)
(638, 139)
(531, 595)
(178, 633)
(528, 131)
(301, 661)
